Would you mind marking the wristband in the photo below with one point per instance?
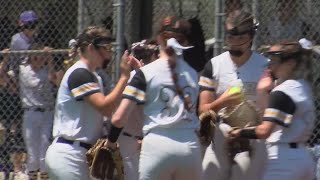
(114, 133)
(249, 133)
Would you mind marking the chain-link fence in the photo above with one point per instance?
(28, 87)
(30, 79)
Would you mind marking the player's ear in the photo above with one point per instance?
(91, 47)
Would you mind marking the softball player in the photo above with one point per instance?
(167, 88)
(80, 106)
(239, 64)
(131, 138)
(288, 119)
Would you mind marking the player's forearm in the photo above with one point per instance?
(215, 105)
(262, 100)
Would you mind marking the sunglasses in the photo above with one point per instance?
(106, 47)
(281, 55)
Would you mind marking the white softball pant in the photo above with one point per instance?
(217, 166)
(289, 163)
(170, 154)
(37, 130)
(67, 162)
(130, 152)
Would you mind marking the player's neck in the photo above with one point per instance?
(239, 61)
(163, 55)
(92, 67)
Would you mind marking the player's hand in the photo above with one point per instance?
(5, 53)
(266, 83)
(234, 133)
(135, 63)
(110, 145)
(3, 64)
(125, 65)
(47, 49)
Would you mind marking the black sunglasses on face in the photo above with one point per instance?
(280, 55)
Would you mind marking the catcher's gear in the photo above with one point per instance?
(207, 125)
(105, 163)
(242, 115)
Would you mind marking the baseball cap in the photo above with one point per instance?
(28, 17)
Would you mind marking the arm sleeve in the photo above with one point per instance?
(81, 83)
(280, 109)
(136, 89)
(206, 81)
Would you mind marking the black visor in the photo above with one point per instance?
(102, 41)
(281, 55)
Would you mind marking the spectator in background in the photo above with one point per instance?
(10, 116)
(22, 40)
(233, 5)
(49, 35)
(38, 104)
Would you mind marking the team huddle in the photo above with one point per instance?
(153, 110)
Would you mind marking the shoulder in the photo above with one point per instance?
(289, 84)
(16, 37)
(220, 58)
(154, 67)
(297, 90)
(16, 41)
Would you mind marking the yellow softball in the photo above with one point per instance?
(234, 89)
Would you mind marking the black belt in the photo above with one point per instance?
(36, 109)
(133, 136)
(293, 145)
(67, 141)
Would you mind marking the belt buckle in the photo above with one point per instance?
(39, 109)
(293, 145)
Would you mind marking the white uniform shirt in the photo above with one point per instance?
(35, 88)
(152, 86)
(74, 118)
(220, 73)
(294, 125)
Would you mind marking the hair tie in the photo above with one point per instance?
(72, 43)
(305, 44)
(178, 48)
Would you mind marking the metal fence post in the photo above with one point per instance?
(80, 16)
(218, 28)
(255, 7)
(120, 6)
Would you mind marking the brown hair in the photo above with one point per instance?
(241, 22)
(293, 50)
(91, 35)
(145, 50)
(173, 27)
